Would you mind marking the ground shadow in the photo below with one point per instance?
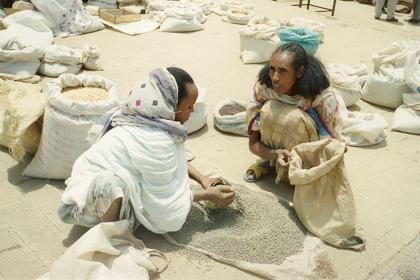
(202, 131)
(75, 233)
(28, 184)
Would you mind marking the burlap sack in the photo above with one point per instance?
(323, 198)
(284, 126)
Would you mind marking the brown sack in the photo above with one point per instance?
(323, 199)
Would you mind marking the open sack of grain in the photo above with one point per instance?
(77, 107)
(21, 108)
(257, 233)
(230, 117)
(19, 61)
(59, 59)
(182, 17)
(347, 81)
(198, 118)
(258, 40)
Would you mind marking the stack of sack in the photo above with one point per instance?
(58, 60)
(347, 81)
(386, 85)
(259, 40)
(235, 12)
(19, 61)
(72, 121)
(407, 116)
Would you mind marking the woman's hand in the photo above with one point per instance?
(207, 182)
(283, 157)
(222, 195)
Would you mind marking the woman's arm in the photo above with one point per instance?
(258, 148)
(204, 181)
(222, 196)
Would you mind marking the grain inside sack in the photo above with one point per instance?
(87, 94)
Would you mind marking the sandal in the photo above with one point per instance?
(255, 172)
(392, 19)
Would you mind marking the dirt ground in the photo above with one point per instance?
(385, 178)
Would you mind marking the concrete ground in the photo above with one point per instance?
(385, 178)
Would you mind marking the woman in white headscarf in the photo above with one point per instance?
(138, 170)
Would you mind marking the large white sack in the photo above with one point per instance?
(29, 27)
(68, 125)
(198, 118)
(68, 17)
(361, 129)
(386, 87)
(259, 40)
(183, 17)
(347, 80)
(50, 69)
(407, 116)
(18, 59)
(234, 124)
(412, 71)
(107, 251)
(395, 54)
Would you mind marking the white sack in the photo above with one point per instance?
(395, 54)
(386, 87)
(18, 59)
(225, 6)
(198, 118)
(62, 59)
(183, 17)
(238, 16)
(106, 251)
(29, 27)
(412, 71)
(68, 17)
(361, 129)
(407, 116)
(68, 125)
(259, 40)
(347, 80)
(22, 5)
(206, 6)
(54, 70)
(234, 124)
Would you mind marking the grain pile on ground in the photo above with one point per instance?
(89, 94)
(255, 228)
(231, 110)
